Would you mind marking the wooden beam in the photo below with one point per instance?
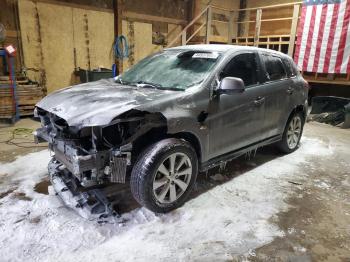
(196, 9)
(256, 8)
(257, 26)
(87, 7)
(219, 21)
(293, 30)
(208, 33)
(183, 38)
(118, 19)
(269, 6)
(241, 16)
(230, 27)
(276, 19)
(333, 82)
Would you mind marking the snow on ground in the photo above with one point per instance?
(228, 220)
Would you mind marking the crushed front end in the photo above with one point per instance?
(87, 160)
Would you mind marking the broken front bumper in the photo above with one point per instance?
(88, 167)
(91, 204)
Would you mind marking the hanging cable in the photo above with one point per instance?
(121, 48)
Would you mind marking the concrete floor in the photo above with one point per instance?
(315, 227)
(17, 139)
(319, 217)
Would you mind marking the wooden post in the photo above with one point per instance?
(183, 38)
(293, 29)
(241, 15)
(207, 37)
(230, 27)
(246, 25)
(196, 10)
(279, 44)
(118, 18)
(257, 26)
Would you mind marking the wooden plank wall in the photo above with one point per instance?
(57, 38)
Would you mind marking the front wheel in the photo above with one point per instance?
(164, 175)
(292, 133)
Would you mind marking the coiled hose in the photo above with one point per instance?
(121, 47)
(121, 51)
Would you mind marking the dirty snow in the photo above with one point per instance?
(229, 220)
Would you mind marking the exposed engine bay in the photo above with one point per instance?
(89, 159)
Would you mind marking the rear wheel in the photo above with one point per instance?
(164, 175)
(292, 133)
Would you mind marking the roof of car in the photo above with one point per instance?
(221, 48)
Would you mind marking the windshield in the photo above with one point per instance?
(171, 69)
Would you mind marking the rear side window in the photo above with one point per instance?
(288, 64)
(274, 68)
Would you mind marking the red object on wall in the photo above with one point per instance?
(10, 50)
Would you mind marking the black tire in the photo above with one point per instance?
(283, 145)
(146, 169)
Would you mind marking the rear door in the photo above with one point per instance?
(235, 120)
(278, 88)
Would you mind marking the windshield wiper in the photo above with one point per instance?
(157, 86)
(149, 84)
(123, 82)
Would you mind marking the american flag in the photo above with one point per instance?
(323, 37)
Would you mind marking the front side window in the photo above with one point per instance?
(274, 67)
(172, 69)
(242, 66)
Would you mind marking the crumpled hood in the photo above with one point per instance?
(98, 103)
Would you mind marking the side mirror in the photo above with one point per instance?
(231, 85)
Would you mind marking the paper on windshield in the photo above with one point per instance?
(206, 55)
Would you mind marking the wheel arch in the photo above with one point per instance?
(157, 134)
(192, 139)
(297, 109)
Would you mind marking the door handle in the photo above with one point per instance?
(290, 90)
(259, 100)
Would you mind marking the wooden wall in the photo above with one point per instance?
(273, 27)
(59, 37)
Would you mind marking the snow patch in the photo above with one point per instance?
(231, 219)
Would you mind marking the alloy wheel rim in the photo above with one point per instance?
(293, 132)
(172, 178)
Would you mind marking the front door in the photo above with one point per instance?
(235, 120)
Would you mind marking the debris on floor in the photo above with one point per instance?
(331, 110)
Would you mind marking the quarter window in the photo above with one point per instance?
(274, 68)
(288, 64)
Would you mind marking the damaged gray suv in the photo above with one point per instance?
(172, 115)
